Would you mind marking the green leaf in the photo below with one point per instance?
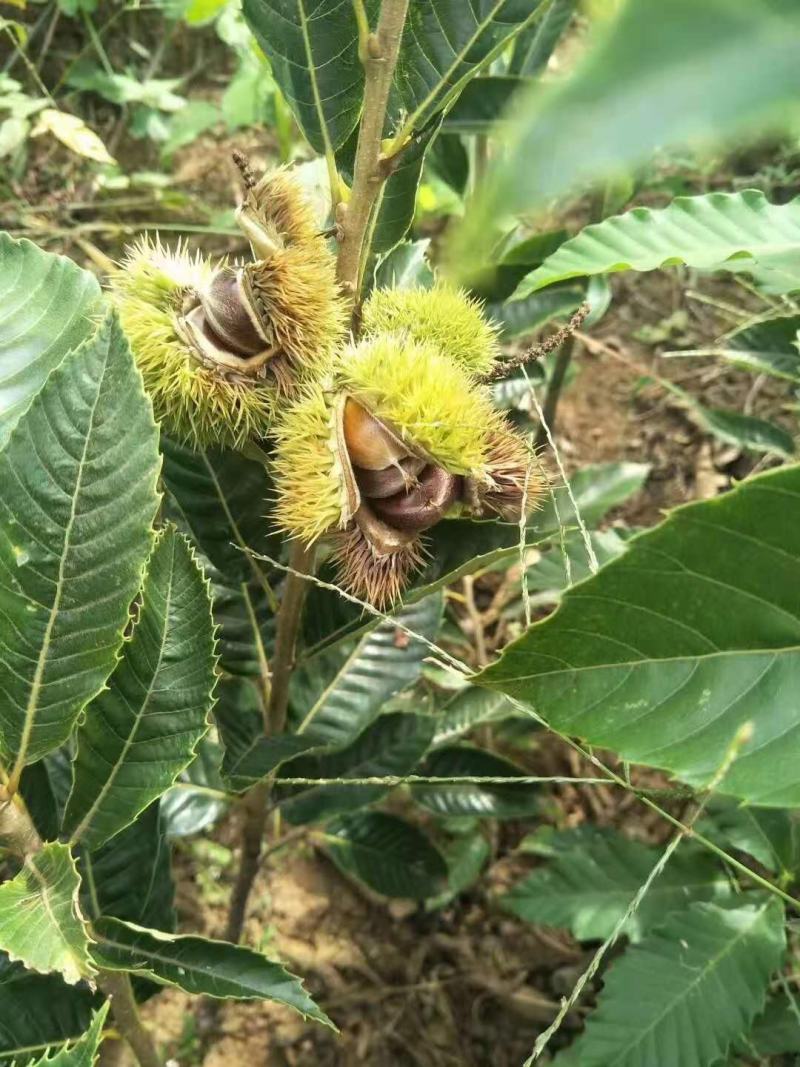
(389, 855)
(194, 802)
(768, 835)
(595, 490)
(769, 346)
(48, 306)
(194, 118)
(670, 649)
(499, 280)
(466, 857)
(393, 745)
(245, 621)
(398, 200)
(220, 499)
(689, 989)
(40, 921)
(776, 1031)
(482, 103)
(485, 801)
(520, 317)
(108, 885)
(745, 431)
(660, 76)
(700, 231)
(38, 1011)
(548, 577)
(469, 708)
(405, 267)
(336, 705)
(312, 47)
(143, 730)
(200, 966)
(594, 875)
(249, 755)
(86, 1049)
(534, 46)
(446, 42)
(448, 161)
(75, 531)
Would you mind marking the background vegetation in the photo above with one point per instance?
(586, 853)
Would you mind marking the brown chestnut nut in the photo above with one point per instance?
(228, 317)
(424, 504)
(370, 444)
(377, 485)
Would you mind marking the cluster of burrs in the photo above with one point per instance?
(376, 439)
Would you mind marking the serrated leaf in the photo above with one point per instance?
(219, 498)
(466, 857)
(86, 1049)
(390, 856)
(40, 920)
(533, 47)
(142, 731)
(248, 754)
(405, 267)
(312, 47)
(469, 708)
(200, 966)
(687, 990)
(672, 647)
(769, 346)
(393, 745)
(196, 800)
(745, 431)
(768, 835)
(548, 577)
(48, 306)
(658, 77)
(336, 704)
(445, 43)
(520, 317)
(130, 876)
(700, 231)
(75, 530)
(776, 1031)
(485, 801)
(38, 1011)
(594, 875)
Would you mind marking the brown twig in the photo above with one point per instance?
(543, 348)
(117, 986)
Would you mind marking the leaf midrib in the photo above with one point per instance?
(701, 976)
(85, 823)
(33, 696)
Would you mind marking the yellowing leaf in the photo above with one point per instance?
(74, 133)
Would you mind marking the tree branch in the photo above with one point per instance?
(380, 60)
(117, 987)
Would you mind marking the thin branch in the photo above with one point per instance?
(301, 564)
(381, 50)
(543, 348)
(117, 987)
(553, 393)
